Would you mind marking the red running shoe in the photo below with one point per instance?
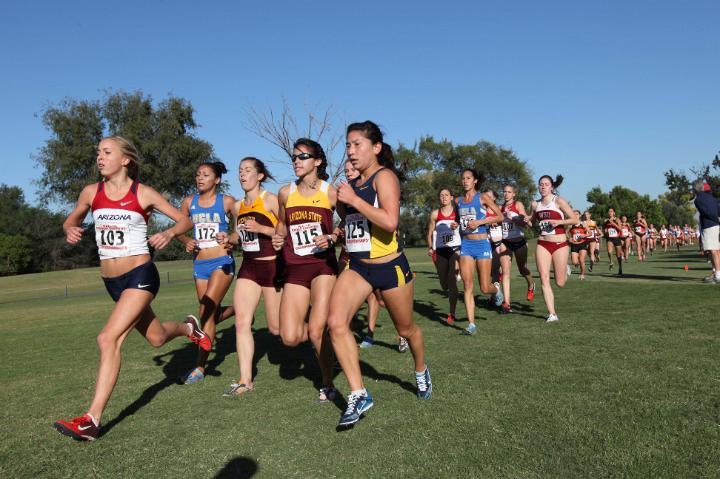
(531, 292)
(505, 308)
(80, 428)
(450, 319)
(197, 335)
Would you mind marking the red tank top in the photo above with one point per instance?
(255, 245)
(547, 212)
(639, 228)
(577, 234)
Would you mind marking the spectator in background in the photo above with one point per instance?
(708, 209)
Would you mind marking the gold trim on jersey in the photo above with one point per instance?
(319, 199)
(257, 206)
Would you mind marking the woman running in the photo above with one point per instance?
(496, 245)
(664, 238)
(614, 243)
(592, 238)
(371, 216)
(373, 306)
(121, 208)
(513, 222)
(475, 248)
(213, 264)
(640, 228)
(626, 236)
(577, 236)
(444, 242)
(552, 214)
(260, 273)
(305, 234)
(652, 238)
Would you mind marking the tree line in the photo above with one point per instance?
(32, 240)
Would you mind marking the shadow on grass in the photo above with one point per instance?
(173, 369)
(428, 311)
(523, 309)
(645, 276)
(237, 468)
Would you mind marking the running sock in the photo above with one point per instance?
(359, 392)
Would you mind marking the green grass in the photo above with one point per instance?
(625, 385)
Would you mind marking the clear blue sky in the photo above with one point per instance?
(605, 93)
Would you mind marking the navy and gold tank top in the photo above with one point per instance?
(363, 239)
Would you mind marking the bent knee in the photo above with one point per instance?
(561, 283)
(337, 324)
(290, 340)
(107, 342)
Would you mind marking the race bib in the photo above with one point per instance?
(577, 236)
(205, 234)
(110, 238)
(496, 233)
(465, 221)
(546, 228)
(445, 236)
(638, 229)
(612, 233)
(303, 238)
(357, 233)
(249, 241)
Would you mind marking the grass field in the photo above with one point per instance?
(625, 385)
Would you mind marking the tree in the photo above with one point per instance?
(163, 133)
(625, 202)
(15, 254)
(282, 127)
(43, 235)
(430, 165)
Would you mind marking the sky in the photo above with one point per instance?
(606, 93)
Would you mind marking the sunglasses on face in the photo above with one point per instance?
(300, 156)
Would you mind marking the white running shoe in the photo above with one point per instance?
(552, 318)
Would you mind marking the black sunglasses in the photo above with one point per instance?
(300, 156)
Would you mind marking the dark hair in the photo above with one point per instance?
(555, 183)
(477, 176)
(372, 132)
(218, 167)
(317, 152)
(260, 168)
(490, 190)
(445, 188)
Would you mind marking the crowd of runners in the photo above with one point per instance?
(288, 242)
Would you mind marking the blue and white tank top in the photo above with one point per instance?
(471, 211)
(208, 221)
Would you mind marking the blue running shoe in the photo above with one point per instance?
(367, 342)
(470, 330)
(193, 377)
(357, 405)
(424, 384)
(499, 296)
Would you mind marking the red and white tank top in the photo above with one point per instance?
(444, 235)
(639, 228)
(120, 226)
(510, 230)
(545, 213)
